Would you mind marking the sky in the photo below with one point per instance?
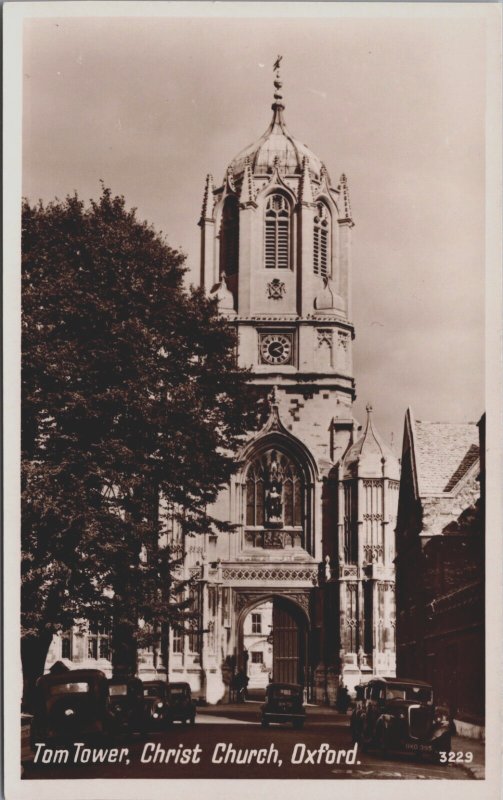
(151, 105)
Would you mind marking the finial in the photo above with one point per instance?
(229, 176)
(278, 97)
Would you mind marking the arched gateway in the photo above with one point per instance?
(285, 637)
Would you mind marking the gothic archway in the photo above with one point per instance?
(282, 635)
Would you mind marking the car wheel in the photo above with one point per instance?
(265, 723)
(382, 742)
(192, 720)
(365, 741)
(298, 724)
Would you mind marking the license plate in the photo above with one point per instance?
(423, 748)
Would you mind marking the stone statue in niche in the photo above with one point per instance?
(274, 505)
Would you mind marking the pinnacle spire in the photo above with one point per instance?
(247, 193)
(306, 188)
(207, 208)
(343, 188)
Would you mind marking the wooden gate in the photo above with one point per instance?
(289, 644)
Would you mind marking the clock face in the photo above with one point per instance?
(276, 348)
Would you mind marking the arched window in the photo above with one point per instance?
(321, 254)
(229, 237)
(277, 232)
(274, 492)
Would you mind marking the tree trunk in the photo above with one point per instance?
(34, 651)
(124, 649)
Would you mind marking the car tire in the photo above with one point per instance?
(265, 723)
(192, 721)
(298, 724)
(364, 741)
(382, 741)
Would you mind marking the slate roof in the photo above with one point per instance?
(444, 452)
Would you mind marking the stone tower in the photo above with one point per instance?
(301, 590)
(276, 251)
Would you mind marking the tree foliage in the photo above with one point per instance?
(129, 388)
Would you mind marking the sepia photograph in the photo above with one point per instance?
(248, 298)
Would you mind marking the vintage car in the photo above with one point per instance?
(155, 704)
(180, 705)
(397, 714)
(283, 703)
(126, 705)
(69, 706)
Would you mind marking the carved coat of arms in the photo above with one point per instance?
(276, 289)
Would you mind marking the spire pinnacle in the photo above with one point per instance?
(278, 97)
(343, 188)
(207, 208)
(306, 188)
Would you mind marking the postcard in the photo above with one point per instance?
(253, 399)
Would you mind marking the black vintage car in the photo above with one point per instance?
(180, 705)
(126, 705)
(155, 705)
(396, 714)
(283, 703)
(70, 705)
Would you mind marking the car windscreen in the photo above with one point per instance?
(152, 691)
(118, 689)
(409, 693)
(69, 688)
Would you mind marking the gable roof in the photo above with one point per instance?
(444, 452)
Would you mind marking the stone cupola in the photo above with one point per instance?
(278, 229)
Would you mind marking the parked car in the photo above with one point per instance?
(69, 706)
(283, 703)
(155, 704)
(180, 705)
(126, 705)
(398, 714)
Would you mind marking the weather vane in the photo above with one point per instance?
(277, 62)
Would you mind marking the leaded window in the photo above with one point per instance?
(277, 232)
(256, 623)
(274, 491)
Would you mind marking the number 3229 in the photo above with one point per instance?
(456, 758)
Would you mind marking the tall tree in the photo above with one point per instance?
(129, 390)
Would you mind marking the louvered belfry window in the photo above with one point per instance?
(277, 232)
(321, 244)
